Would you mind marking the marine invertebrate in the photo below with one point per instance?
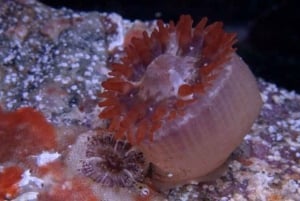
(184, 96)
(112, 162)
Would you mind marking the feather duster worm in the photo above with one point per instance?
(184, 97)
(112, 162)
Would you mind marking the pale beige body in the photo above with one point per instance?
(192, 146)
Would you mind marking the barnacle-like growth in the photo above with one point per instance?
(112, 162)
(183, 96)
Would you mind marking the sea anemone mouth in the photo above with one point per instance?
(168, 79)
(112, 162)
(161, 74)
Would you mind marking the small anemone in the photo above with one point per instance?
(112, 162)
(161, 74)
(184, 97)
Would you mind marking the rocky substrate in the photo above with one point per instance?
(53, 60)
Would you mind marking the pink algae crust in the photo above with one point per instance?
(64, 188)
(8, 182)
(23, 133)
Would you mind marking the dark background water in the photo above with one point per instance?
(267, 29)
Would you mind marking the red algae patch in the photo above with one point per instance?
(24, 132)
(60, 184)
(9, 178)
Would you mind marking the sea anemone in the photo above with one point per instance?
(184, 97)
(112, 162)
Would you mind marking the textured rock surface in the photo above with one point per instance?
(54, 61)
